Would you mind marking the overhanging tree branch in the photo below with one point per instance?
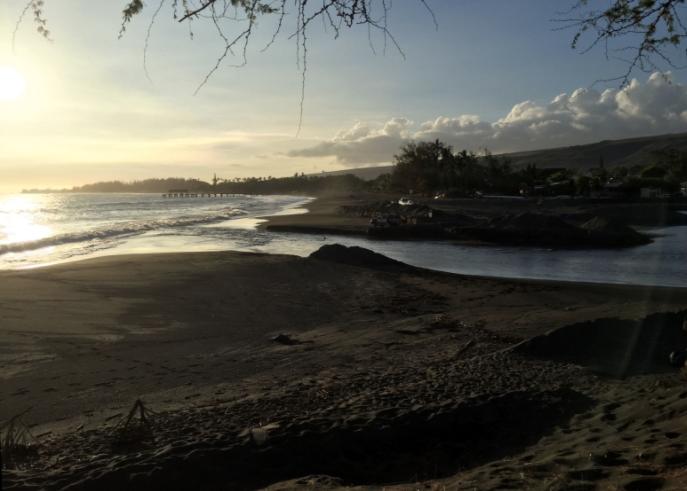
(650, 29)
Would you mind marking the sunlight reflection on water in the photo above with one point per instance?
(18, 216)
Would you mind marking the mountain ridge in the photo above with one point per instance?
(624, 152)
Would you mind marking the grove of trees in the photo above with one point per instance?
(433, 167)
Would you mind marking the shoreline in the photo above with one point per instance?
(321, 218)
(116, 250)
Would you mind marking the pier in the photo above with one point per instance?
(184, 193)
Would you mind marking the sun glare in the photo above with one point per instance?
(12, 84)
(17, 221)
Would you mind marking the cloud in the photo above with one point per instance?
(361, 144)
(584, 116)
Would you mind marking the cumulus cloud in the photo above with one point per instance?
(584, 116)
(361, 144)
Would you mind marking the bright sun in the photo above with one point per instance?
(12, 84)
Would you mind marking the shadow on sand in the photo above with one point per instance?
(614, 347)
(383, 447)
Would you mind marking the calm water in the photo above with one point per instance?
(36, 230)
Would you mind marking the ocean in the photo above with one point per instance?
(41, 229)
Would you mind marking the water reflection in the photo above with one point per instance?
(19, 220)
(29, 218)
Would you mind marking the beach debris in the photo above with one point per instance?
(677, 358)
(260, 434)
(17, 445)
(285, 339)
(462, 349)
(136, 427)
(445, 321)
(466, 347)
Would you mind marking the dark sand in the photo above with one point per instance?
(325, 213)
(324, 217)
(393, 376)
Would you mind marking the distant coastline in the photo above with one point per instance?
(298, 184)
(633, 154)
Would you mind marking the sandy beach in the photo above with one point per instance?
(357, 245)
(385, 375)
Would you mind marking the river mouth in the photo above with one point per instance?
(661, 263)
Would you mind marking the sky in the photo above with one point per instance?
(495, 74)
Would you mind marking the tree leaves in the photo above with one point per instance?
(132, 8)
(656, 25)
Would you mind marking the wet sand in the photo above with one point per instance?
(389, 375)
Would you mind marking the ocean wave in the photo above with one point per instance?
(118, 230)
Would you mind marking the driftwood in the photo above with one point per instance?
(136, 428)
(17, 444)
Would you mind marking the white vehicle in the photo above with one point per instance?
(405, 201)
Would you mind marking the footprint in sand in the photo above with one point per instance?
(645, 484)
(609, 459)
(608, 417)
(592, 474)
(607, 408)
(676, 460)
(640, 471)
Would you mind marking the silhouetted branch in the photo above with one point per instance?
(147, 41)
(334, 13)
(657, 25)
(19, 21)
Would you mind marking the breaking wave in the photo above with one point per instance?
(118, 230)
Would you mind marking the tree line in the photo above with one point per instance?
(430, 168)
(299, 184)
